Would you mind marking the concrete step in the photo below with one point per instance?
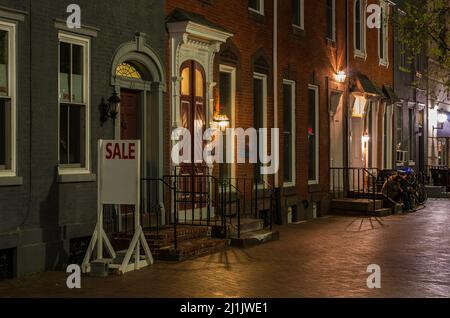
(247, 225)
(255, 238)
(359, 205)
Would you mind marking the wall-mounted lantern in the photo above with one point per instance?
(109, 109)
(341, 76)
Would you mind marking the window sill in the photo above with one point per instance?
(384, 63)
(77, 178)
(256, 16)
(331, 43)
(298, 30)
(10, 181)
(360, 55)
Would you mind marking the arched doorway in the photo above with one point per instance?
(137, 75)
(193, 106)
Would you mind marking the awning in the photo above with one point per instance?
(365, 85)
(389, 92)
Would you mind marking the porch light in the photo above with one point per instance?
(365, 139)
(442, 118)
(109, 109)
(341, 76)
(221, 122)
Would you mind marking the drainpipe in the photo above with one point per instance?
(275, 74)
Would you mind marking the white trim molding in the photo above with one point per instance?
(263, 78)
(362, 52)
(301, 26)
(261, 8)
(85, 43)
(293, 117)
(384, 60)
(11, 29)
(193, 41)
(316, 181)
(232, 71)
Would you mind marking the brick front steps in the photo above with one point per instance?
(192, 241)
(359, 207)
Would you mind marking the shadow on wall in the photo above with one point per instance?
(55, 255)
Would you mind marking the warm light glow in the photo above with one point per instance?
(221, 122)
(365, 139)
(442, 118)
(341, 76)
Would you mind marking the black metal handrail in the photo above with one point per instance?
(352, 182)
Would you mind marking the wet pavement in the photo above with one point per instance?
(327, 257)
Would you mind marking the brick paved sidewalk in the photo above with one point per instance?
(321, 258)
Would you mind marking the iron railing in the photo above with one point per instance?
(358, 183)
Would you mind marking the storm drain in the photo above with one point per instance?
(7, 264)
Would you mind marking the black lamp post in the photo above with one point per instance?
(110, 109)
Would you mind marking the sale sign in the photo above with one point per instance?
(119, 164)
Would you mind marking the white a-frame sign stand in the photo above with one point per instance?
(119, 183)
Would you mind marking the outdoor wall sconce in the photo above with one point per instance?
(441, 119)
(341, 76)
(110, 109)
(220, 122)
(365, 139)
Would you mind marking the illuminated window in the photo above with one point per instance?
(359, 107)
(185, 81)
(128, 70)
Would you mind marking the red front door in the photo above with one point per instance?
(129, 130)
(129, 115)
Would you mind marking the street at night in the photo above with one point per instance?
(326, 257)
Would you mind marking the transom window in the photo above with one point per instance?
(128, 70)
(7, 100)
(73, 102)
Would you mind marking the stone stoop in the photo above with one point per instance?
(359, 207)
(192, 241)
(252, 233)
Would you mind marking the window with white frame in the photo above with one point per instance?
(256, 6)
(331, 19)
(383, 34)
(313, 134)
(289, 132)
(359, 34)
(73, 103)
(7, 99)
(259, 115)
(227, 92)
(298, 13)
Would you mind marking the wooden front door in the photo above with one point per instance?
(129, 106)
(129, 130)
(193, 117)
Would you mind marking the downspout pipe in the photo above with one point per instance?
(275, 75)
